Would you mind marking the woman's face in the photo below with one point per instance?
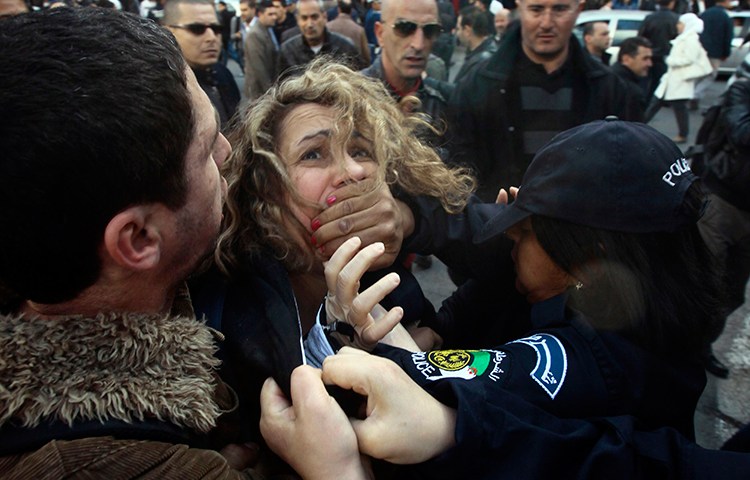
(537, 276)
(317, 162)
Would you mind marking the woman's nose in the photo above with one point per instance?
(351, 171)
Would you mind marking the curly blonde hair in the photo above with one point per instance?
(258, 214)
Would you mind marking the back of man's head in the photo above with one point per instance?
(95, 116)
(476, 19)
(345, 6)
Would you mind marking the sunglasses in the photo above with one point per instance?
(406, 28)
(199, 29)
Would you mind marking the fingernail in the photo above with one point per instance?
(331, 200)
(315, 224)
(313, 241)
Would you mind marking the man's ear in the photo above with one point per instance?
(132, 238)
(379, 32)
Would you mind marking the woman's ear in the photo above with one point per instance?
(133, 239)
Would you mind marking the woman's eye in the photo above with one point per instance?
(311, 155)
(361, 154)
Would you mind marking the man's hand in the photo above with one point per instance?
(312, 433)
(404, 424)
(373, 216)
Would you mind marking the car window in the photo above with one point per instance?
(625, 29)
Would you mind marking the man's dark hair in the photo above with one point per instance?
(588, 28)
(263, 5)
(172, 9)
(476, 19)
(95, 116)
(345, 7)
(659, 289)
(630, 46)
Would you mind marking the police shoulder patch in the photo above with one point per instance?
(551, 361)
(464, 364)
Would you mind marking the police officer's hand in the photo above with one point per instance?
(372, 215)
(403, 423)
(502, 195)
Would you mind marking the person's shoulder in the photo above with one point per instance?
(292, 43)
(336, 37)
(110, 457)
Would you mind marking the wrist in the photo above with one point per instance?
(407, 218)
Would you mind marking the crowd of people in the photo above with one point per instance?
(200, 280)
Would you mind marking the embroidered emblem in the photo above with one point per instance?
(551, 362)
(464, 364)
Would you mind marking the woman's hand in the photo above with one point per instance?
(344, 303)
(426, 338)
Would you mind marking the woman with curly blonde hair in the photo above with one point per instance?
(304, 139)
(262, 192)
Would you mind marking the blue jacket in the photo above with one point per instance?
(718, 31)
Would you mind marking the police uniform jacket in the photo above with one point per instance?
(566, 367)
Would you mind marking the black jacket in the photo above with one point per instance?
(295, 53)
(485, 137)
(731, 179)
(472, 60)
(660, 27)
(634, 83)
(218, 83)
(256, 310)
(433, 102)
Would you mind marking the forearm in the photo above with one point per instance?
(450, 237)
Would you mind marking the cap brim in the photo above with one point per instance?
(497, 225)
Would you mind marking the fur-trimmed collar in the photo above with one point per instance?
(112, 367)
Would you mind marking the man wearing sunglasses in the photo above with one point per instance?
(538, 83)
(196, 27)
(406, 33)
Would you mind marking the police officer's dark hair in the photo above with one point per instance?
(476, 19)
(95, 116)
(661, 290)
(630, 46)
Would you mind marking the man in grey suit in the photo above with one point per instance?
(261, 52)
